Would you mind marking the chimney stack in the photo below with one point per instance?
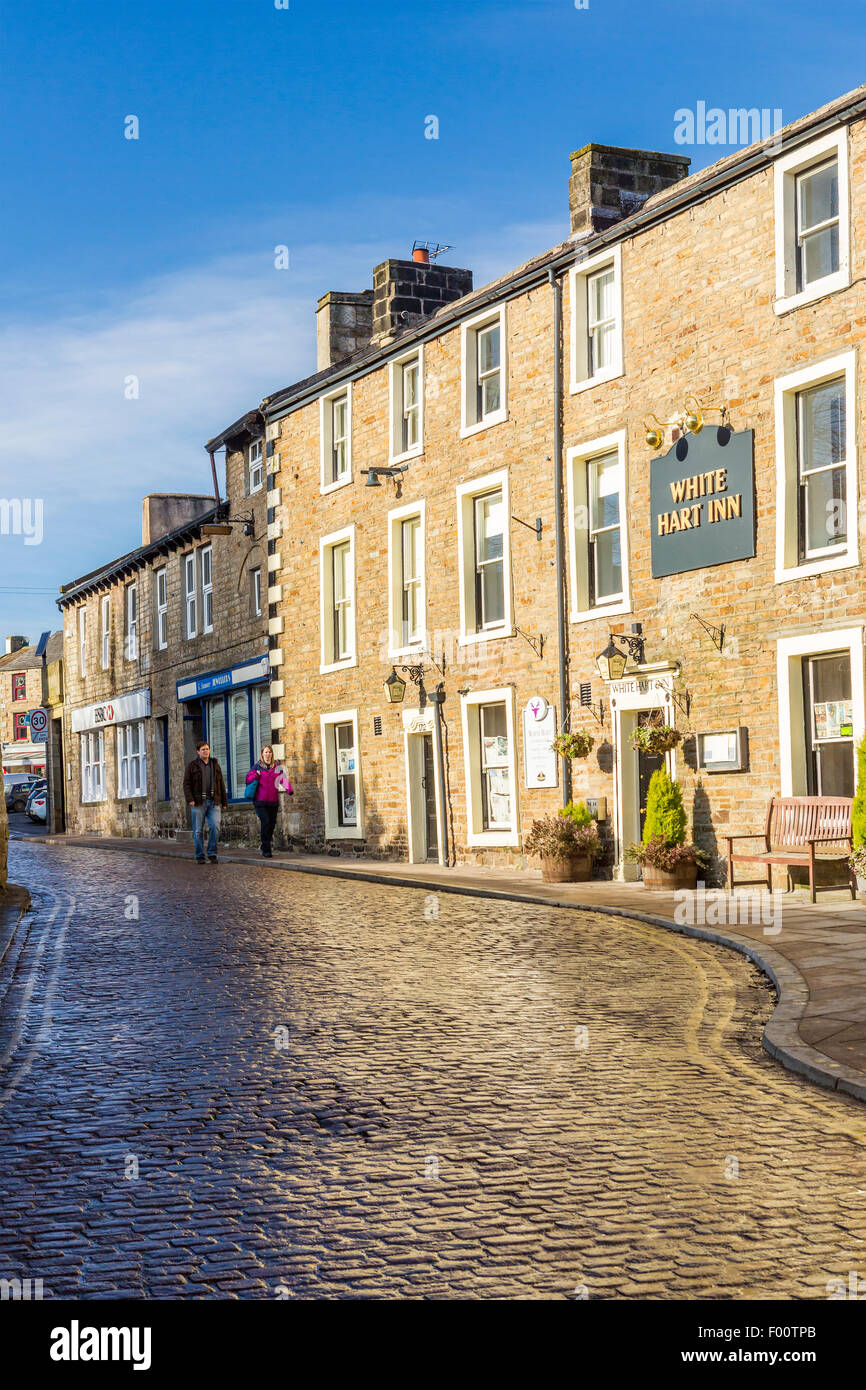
(404, 293)
(608, 183)
(14, 644)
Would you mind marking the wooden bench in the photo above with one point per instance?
(805, 830)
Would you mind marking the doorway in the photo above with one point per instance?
(647, 763)
(431, 829)
(422, 787)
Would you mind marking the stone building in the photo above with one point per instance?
(517, 511)
(21, 690)
(164, 646)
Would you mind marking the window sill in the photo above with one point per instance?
(325, 488)
(498, 418)
(586, 384)
(345, 665)
(395, 653)
(349, 832)
(614, 610)
(831, 284)
(844, 561)
(470, 638)
(410, 454)
(493, 839)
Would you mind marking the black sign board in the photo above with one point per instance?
(702, 501)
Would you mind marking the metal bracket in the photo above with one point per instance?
(536, 643)
(716, 634)
(683, 702)
(529, 526)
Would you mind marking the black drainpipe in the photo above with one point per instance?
(437, 698)
(562, 627)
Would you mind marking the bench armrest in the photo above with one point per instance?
(828, 839)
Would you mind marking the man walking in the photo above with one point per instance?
(205, 789)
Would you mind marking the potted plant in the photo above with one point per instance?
(666, 860)
(573, 745)
(655, 738)
(858, 821)
(565, 848)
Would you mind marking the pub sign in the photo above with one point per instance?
(702, 501)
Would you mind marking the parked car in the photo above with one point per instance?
(37, 805)
(39, 786)
(17, 789)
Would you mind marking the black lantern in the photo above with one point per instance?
(611, 662)
(395, 688)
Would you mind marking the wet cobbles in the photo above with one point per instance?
(236, 1082)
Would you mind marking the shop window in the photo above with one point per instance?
(131, 760)
(491, 774)
(596, 320)
(92, 749)
(816, 469)
(236, 727)
(335, 434)
(598, 543)
(483, 372)
(812, 221)
(484, 541)
(343, 792)
(829, 724)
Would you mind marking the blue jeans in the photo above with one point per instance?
(212, 814)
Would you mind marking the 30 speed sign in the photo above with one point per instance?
(38, 725)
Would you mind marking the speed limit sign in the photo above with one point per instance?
(38, 725)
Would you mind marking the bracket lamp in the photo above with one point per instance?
(655, 434)
(386, 471)
(693, 418)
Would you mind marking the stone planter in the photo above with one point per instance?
(861, 889)
(686, 876)
(576, 869)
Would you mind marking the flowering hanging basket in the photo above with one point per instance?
(655, 738)
(574, 745)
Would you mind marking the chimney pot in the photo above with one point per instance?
(421, 255)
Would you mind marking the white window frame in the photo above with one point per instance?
(790, 653)
(89, 743)
(785, 172)
(476, 835)
(578, 527)
(105, 620)
(326, 601)
(82, 642)
(206, 552)
(130, 609)
(469, 422)
(579, 278)
(396, 517)
(257, 592)
(255, 466)
(326, 438)
(124, 760)
(786, 390)
(396, 370)
(190, 611)
(466, 495)
(333, 829)
(161, 577)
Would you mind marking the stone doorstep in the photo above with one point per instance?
(781, 1038)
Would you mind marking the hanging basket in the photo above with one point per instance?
(655, 739)
(573, 745)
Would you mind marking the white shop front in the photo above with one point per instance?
(127, 715)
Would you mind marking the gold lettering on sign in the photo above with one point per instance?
(699, 485)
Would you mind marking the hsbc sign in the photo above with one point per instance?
(123, 709)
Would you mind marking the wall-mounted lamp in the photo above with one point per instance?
(395, 686)
(612, 661)
(695, 410)
(224, 528)
(392, 470)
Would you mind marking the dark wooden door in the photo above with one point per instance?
(647, 763)
(429, 784)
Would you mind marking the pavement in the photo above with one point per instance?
(814, 955)
(242, 1082)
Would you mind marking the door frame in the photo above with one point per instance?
(418, 724)
(648, 688)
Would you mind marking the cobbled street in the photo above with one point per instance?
(272, 1084)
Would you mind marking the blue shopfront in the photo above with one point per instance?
(230, 708)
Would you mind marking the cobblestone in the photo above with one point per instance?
(430, 1128)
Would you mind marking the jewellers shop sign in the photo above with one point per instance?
(121, 710)
(702, 501)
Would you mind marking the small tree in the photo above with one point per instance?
(664, 810)
(858, 810)
(577, 812)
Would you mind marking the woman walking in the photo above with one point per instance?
(269, 779)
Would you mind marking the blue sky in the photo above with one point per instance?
(305, 127)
